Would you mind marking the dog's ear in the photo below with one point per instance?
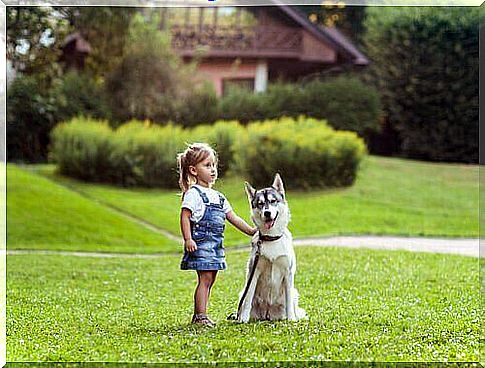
(250, 191)
(278, 185)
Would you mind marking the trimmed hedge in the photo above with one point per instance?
(136, 154)
(306, 152)
(344, 101)
(425, 64)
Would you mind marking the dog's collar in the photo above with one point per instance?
(268, 238)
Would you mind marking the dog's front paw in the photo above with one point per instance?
(243, 319)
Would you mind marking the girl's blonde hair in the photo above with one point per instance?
(195, 153)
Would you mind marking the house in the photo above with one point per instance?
(251, 46)
(246, 46)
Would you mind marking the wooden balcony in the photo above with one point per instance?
(217, 40)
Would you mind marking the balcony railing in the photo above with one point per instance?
(230, 38)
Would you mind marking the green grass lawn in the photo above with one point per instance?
(391, 196)
(362, 305)
(44, 215)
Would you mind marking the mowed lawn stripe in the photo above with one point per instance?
(391, 196)
(44, 215)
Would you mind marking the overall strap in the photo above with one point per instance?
(221, 200)
(202, 194)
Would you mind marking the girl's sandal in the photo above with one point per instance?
(203, 320)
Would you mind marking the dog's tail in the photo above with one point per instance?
(299, 312)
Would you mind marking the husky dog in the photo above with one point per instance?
(269, 292)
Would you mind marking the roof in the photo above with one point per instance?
(80, 44)
(330, 35)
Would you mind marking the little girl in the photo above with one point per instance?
(202, 218)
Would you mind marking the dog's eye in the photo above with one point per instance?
(273, 201)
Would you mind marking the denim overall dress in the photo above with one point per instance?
(208, 234)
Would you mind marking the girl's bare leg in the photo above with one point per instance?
(201, 297)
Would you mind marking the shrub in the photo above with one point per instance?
(306, 152)
(282, 100)
(345, 102)
(30, 117)
(196, 107)
(145, 154)
(425, 63)
(78, 94)
(81, 149)
(242, 105)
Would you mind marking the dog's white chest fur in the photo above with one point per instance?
(277, 248)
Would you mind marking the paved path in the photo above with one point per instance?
(464, 247)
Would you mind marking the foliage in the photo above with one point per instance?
(145, 155)
(82, 148)
(306, 152)
(198, 106)
(135, 154)
(348, 19)
(149, 77)
(242, 105)
(30, 116)
(78, 94)
(345, 102)
(105, 29)
(425, 65)
(34, 37)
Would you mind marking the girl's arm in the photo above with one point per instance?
(189, 243)
(240, 223)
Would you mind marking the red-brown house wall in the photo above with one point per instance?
(216, 71)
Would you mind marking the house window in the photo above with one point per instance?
(246, 84)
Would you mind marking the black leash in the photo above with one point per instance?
(261, 238)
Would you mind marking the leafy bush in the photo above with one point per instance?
(283, 100)
(145, 154)
(345, 102)
(425, 63)
(307, 153)
(78, 94)
(30, 117)
(199, 106)
(81, 149)
(242, 105)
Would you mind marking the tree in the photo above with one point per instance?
(425, 65)
(105, 29)
(34, 35)
(150, 75)
(348, 19)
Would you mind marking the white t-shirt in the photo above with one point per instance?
(193, 201)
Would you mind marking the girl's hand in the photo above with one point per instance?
(190, 245)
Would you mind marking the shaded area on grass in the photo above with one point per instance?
(362, 305)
